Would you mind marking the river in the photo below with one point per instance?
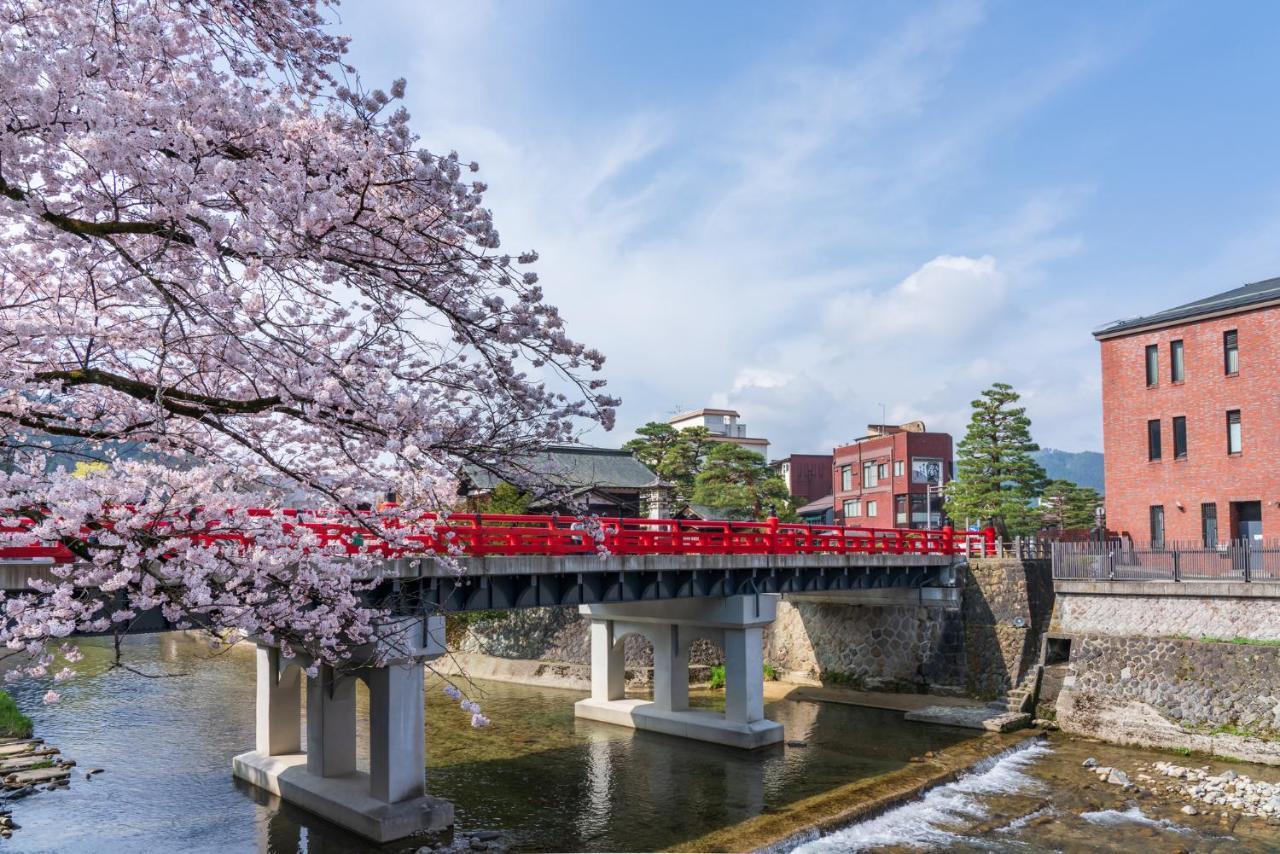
(552, 782)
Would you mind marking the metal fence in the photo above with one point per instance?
(1122, 560)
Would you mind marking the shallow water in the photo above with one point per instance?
(1039, 799)
(554, 782)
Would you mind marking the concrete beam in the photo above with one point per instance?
(1195, 589)
(722, 612)
(937, 597)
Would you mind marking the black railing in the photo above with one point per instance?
(1123, 560)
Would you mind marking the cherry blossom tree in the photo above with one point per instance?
(216, 244)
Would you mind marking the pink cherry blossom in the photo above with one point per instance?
(220, 248)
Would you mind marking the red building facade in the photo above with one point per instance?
(882, 480)
(808, 476)
(1191, 419)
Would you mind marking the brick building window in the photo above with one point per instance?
(871, 509)
(1180, 437)
(898, 468)
(1157, 526)
(846, 478)
(1231, 352)
(1235, 439)
(869, 472)
(882, 471)
(852, 509)
(1153, 439)
(1177, 362)
(1153, 364)
(1209, 524)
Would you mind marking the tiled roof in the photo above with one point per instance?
(1235, 299)
(577, 466)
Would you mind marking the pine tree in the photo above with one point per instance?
(996, 476)
(1066, 504)
(675, 456)
(739, 482)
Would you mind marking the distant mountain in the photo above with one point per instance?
(1080, 467)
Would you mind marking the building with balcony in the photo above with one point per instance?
(723, 426)
(1191, 419)
(892, 477)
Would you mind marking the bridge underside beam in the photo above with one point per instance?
(481, 591)
(734, 623)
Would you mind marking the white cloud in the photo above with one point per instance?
(769, 249)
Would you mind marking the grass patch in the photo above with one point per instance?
(13, 723)
(1238, 641)
(717, 675)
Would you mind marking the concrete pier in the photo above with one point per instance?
(390, 801)
(734, 623)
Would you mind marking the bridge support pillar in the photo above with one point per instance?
(736, 623)
(390, 801)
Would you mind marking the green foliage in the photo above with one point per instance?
(996, 476)
(504, 498)
(675, 456)
(1239, 641)
(717, 675)
(740, 483)
(1068, 505)
(13, 723)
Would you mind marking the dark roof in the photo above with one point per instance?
(577, 466)
(819, 506)
(1226, 302)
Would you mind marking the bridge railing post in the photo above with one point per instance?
(948, 543)
(772, 527)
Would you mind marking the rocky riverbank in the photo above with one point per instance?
(1227, 796)
(28, 765)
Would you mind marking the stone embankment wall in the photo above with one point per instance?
(1186, 671)
(872, 647)
(981, 648)
(1119, 608)
(1008, 604)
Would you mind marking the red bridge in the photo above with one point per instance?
(556, 535)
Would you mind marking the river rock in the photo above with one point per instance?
(1190, 810)
(1116, 777)
(1228, 775)
(1090, 763)
(797, 743)
(42, 775)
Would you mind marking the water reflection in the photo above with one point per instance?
(553, 782)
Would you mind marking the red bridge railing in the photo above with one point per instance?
(556, 535)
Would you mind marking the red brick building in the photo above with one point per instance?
(882, 480)
(1191, 419)
(808, 476)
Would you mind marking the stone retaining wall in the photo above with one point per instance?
(1217, 698)
(1008, 604)
(1137, 609)
(895, 648)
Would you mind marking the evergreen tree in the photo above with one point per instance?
(996, 476)
(1065, 504)
(504, 499)
(739, 482)
(675, 456)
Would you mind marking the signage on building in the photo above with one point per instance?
(926, 470)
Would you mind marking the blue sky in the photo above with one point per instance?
(806, 210)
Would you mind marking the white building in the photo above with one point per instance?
(723, 426)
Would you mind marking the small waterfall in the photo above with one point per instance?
(932, 820)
